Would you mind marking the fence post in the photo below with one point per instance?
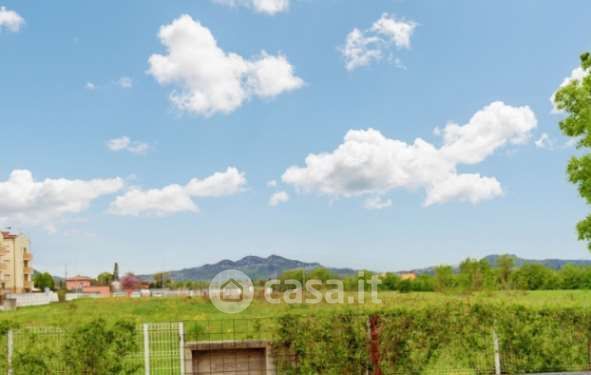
(374, 345)
(182, 346)
(10, 345)
(147, 348)
(497, 353)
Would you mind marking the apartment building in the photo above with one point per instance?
(16, 271)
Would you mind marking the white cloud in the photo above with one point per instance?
(270, 7)
(90, 86)
(360, 50)
(210, 80)
(154, 202)
(398, 31)
(125, 82)
(369, 164)
(377, 203)
(176, 198)
(544, 142)
(576, 74)
(126, 144)
(219, 184)
(10, 20)
(272, 183)
(26, 201)
(278, 198)
(364, 47)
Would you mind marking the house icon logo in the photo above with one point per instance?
(231, 291)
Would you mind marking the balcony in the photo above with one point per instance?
(28, 256)
(28, 285)
(28, 270)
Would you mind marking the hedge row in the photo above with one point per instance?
(451, 338)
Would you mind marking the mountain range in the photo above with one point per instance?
(255, 267)
(259, 268)
(552, 263)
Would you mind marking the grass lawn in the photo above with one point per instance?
(186, 309)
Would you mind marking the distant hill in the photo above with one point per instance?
(257, 268)
(550, 263)
(555, 264)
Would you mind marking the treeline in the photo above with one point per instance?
(471, 275)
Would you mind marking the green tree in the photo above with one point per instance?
(390, 281)
(475, 274)
(321, 274)
(575, 277)
(44, 280)
(534, 276)
(505, 264)
(161, 279)
(575, 100)
(444, 278)
(105, 278)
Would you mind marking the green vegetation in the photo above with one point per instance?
(419, 333)
(140, 310)
(435, 339)
(44, 281)
(575, 100)
(472, 275)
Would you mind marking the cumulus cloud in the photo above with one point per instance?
(155, 202)
(278, 198)
(364, 47)
(210, 80)
(10, 20)
(219, 184)
(270, 7)
(90, 86)
(369, 164)
(26, 201)
(126, 144)
(377, 203)
(576, 74)
(178, 198)
(272, 183)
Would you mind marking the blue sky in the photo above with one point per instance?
(75, 76)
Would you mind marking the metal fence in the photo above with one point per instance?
(240, 346)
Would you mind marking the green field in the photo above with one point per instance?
(432, 333)
(154, 310)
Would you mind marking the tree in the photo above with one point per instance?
(505, 264)
(444, 278)
(116, 272)
(575, 100)
(44, 280)
(534, 276)
(105, 278)
(160, 279)
(390, 281)
(475, 274)
(130, 282)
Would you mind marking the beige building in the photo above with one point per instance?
(15, 263)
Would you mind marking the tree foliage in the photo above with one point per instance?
(105, 278)
(44, 280)
(575, 100)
